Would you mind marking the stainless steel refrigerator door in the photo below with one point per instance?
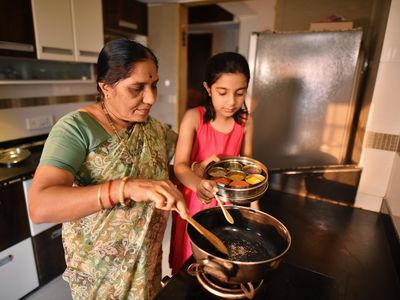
(302, 96)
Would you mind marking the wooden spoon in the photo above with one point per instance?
(227, 215)
(211, 237)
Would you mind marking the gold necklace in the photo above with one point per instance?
(110, 122)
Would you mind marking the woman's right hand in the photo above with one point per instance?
(163, 193)
(205, 190)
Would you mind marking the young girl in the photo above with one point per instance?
(222, 127)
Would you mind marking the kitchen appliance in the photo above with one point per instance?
(289, 282)
(16, 251)
(302, 96)
(13, 155)
(256, 244)
(39, 242)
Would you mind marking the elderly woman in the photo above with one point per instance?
(104, 174)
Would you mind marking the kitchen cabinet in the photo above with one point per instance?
(69, 30)
(30, 254)
(17, 37)
(17, 271)
(49, 254)
(124, 18)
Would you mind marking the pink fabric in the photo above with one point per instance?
(208, 141)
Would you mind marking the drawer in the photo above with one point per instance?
(49, 254)
(18, 274)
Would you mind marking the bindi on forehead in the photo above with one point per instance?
(150, 76)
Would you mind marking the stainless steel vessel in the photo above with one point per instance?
(239, 194)
(256, 244)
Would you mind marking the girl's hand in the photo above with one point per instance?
(199, 167)
(205, 190)
(163, 193)
(208, 160)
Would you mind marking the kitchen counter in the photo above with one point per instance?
(345, 251)
(22, 170)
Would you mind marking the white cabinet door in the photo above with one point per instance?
(53, 29)
(18, 274)
(88, 29)
(68, 30)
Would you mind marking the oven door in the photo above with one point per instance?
(14, 226)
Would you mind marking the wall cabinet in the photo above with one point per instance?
(69, 30)
(16, 29)
(124, 18)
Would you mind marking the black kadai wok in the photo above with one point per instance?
(256, 243)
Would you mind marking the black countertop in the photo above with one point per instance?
(346, 246)
(22, 170)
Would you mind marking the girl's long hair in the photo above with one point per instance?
(217, 65)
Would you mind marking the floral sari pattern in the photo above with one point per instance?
(116, 253)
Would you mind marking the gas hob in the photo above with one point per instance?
(286, 283)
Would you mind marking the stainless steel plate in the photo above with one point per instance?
(13, 155)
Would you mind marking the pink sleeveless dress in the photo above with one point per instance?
(208, 141)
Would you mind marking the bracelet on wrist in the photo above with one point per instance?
(112, 203)
(121, 196)
(99, 202)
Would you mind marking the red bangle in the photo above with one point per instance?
(109, 194)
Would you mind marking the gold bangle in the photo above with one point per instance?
(121, 197)
(99, 198)
(192, 166)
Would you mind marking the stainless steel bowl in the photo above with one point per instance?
(240, 195)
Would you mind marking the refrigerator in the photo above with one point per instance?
(302, 96)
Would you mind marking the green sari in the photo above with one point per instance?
(116, 253)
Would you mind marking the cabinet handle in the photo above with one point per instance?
(88, 53)
(55, 234)
(54, 50)
(126, 24)
(6, 260)
(16, 46)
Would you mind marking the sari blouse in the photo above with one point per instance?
(114, 253)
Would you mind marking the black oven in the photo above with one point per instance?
(14, 225)
(20, 238)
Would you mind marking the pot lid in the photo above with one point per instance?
(13, 155)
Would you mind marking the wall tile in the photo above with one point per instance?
(369, 202)
(385, 107)
(391, 45)
(377, 166)
(382, 141)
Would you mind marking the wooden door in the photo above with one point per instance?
(199, 51)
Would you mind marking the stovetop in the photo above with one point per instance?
(23, 170)
(286, 283)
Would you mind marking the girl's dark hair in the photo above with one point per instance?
(117, 59)
(217, 65)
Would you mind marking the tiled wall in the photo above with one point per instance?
(382, 141)
(382, 138)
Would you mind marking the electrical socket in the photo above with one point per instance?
(39, 122)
